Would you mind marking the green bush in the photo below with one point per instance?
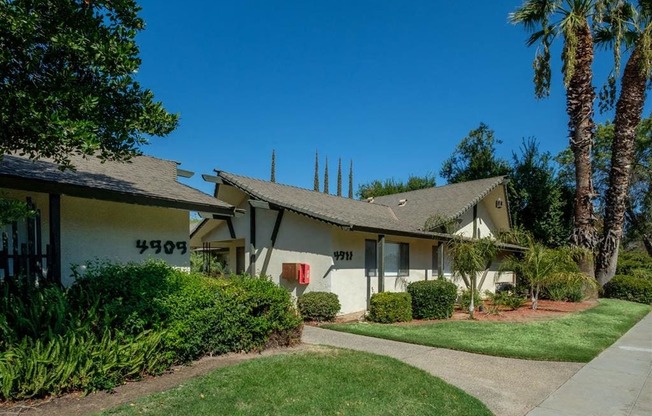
(464, 299)
(511, 300)
(389, 307)
(318, 306)
(629, 261)
(120, 322)
(629, 288)
(432, 299)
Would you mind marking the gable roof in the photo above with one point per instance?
(448, 201)
(379, 216)
(143, 180)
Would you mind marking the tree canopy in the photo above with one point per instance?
(67, 80)
(475, 158)
(392, 186)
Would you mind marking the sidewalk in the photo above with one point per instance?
(617, 382)
(509, 387)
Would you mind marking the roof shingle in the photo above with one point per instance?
(142, 178)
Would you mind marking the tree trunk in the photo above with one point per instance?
(580, 96)
(628, 115)
(647, 242)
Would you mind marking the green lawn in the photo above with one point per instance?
(577, 337)
(325, 382)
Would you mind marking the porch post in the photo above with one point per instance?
(381, 263)
(55, 237)
(252, 241)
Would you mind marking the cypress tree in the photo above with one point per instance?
(351, 180)
(316, 183)
(339, 177)
(273, 175)
(326, 176)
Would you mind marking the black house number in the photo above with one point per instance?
(167, 247)
(343, 255)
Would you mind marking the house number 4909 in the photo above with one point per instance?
(167, 247)
(343, 255)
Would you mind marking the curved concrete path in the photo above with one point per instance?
(509, 387)
(618, 382)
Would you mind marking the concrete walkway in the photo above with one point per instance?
(616, 382)
(509, 387)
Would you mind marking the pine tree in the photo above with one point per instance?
(351, 180)
(273, 176)
(316, 183)
(339, 177)
(326, 177)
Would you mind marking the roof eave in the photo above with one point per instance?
(86, 192)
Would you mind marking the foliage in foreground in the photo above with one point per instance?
(121, 322)
(576, 337)
(293, 384)
(432, 299)
(390, 307)
(630, 288)
(318, 306)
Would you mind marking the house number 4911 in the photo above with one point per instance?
(343, 255)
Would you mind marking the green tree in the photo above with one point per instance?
(571, 19)
(638, 213)
(541, 266)
(470, 259)
(12, 210)
(273, 174)
(392, 186)
(67, 80)
(326, 176)
(315, 186)
(339, 177)
(475, 158)
(626, 27)
(351, 180)
(536, 202)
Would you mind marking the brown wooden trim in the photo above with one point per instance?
(13, 182)
(54, 206)
(277, 226)
(229, 223)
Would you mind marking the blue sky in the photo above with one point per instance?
(391, 85)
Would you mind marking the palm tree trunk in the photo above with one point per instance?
(580, 96)
(628, 115)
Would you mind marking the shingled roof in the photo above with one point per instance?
(448, 202)
(381, 215)
(143, 180)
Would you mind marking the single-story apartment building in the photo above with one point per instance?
(129, 211)
(312, 241)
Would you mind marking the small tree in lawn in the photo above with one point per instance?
(540, 266)
(472, 258)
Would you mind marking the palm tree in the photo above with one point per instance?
(470, 258)
(548, 19)
(626, 27)
(541, 266)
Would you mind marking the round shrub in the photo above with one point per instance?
(432, 299)
(629, 288)
(389, 307)
(318, 306)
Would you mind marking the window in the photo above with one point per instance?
(370, 258)
(397, 259)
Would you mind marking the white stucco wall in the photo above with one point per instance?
(93, 229)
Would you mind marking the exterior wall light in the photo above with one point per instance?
(499, 203)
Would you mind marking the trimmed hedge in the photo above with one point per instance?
(318, 306)
(432, 299)
(120, 322)
(629, 288)
(390, 307)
